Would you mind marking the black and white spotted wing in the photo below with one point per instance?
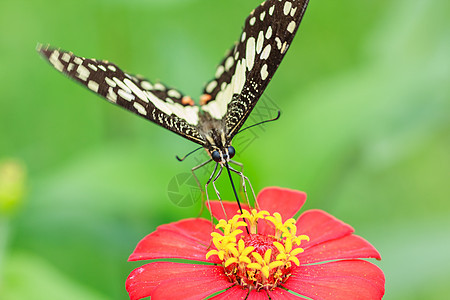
(240, 80)
(243, 75)
(164, 106)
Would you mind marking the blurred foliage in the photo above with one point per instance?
(364, 92)
(12, 186)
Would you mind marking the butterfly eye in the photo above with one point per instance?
(216, 156)
(231, 151)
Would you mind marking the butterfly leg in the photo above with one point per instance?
(241, 166)
(217, 191)
(209, 181)
(244, 178)
(207, 196)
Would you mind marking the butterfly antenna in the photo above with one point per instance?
(266, 121)
(181, 159)
(235, 193)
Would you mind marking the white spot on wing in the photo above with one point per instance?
(54, 60)
(137, 91)
(262, 15)
(284, 48)
(239, 78)
(146, 85)
(159, 87)
(112, 68)
(250, 53)
(243, 36)
(93, 67)
(110, 82)
(260, 42)
(174, 94)
(122, 85)
(287, 8)
(83, 72)
(271, 9)
(93, 86)
(291, 27)
(252, 21)
(101, 67)
(220, 70)
(140, 108)
(269, 32)
(278, 41)
(65, 57)
(125, 95)
(218, 107)
(229, 63)
(293, 10)
(266, 52)
(70, 67)
(264, 72)
(111, 96)
(188, 113)
(211, 86)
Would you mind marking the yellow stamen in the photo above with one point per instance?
(253, 217)
(243, 263)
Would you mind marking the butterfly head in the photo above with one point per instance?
(222, 155)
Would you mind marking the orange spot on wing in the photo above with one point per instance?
(205, 98)
(186, 100)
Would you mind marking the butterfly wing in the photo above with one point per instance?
(243, 75)
(164, 106)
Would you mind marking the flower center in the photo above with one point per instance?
(257, 261)
(262, 243)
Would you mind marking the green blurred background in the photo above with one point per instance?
(364, 91)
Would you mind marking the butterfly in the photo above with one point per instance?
(227, 100)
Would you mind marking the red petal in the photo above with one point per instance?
(280, 294)
(168, 242)
(320, 227)
(261, 295)
(349, 279)
(284, 201)
(199, 229)
(351, 246)
(236, 292)
(142, 281)
(198, 284)
(231, 208)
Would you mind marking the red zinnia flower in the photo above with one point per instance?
(268, 262)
